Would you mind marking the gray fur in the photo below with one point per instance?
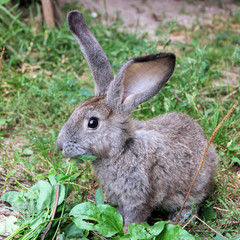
(92, 51)
(141, 164)
(139, 79)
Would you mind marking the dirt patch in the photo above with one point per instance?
(146, 15)
(10, 145)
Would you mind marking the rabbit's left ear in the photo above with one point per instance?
(139, 79)
(97, 60)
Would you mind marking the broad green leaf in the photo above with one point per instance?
(73, 232)
(52, 180)
(104, 219)
(144, 231)
(41, 176)
(99, 197)
(125, 237)
(61, 195)
(236, 160)
(174, 232)
(52, 171)
(44, 191)
(59, 177)
(15, 198)
(40, 218)
(69, 177)
(11, 196)
(7, 224)
(111, 216)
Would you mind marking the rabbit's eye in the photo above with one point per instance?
(93, 122)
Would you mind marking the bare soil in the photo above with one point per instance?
(145, 15)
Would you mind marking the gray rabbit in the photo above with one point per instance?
(140, 164)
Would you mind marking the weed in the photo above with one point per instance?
(45, 199)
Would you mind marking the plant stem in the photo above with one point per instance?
(203, 158)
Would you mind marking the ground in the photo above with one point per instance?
(146, 15)
(183, 27)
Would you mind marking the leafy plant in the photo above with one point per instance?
(36, 206)
(102, 218)
(8, 224)
(108, 222)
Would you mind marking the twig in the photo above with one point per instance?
(223, 210)
(195, 216)
(53, 213)
(177, 97)
(1, 57)
(229, 95)
(153, 14)
(228, 223)
(203, 157)
(98, 235)
(3, 174)
(189, 221)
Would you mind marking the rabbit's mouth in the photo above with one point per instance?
(71, 150)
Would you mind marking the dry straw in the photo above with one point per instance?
(203, 157)
(1, 57)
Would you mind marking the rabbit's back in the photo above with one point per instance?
(177, 159)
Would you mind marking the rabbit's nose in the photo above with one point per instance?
(60, 145)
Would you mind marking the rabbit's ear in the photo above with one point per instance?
(139, 79)
(92, 51)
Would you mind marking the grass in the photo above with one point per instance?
(43, 76)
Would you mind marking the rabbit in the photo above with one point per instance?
(140, 164)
